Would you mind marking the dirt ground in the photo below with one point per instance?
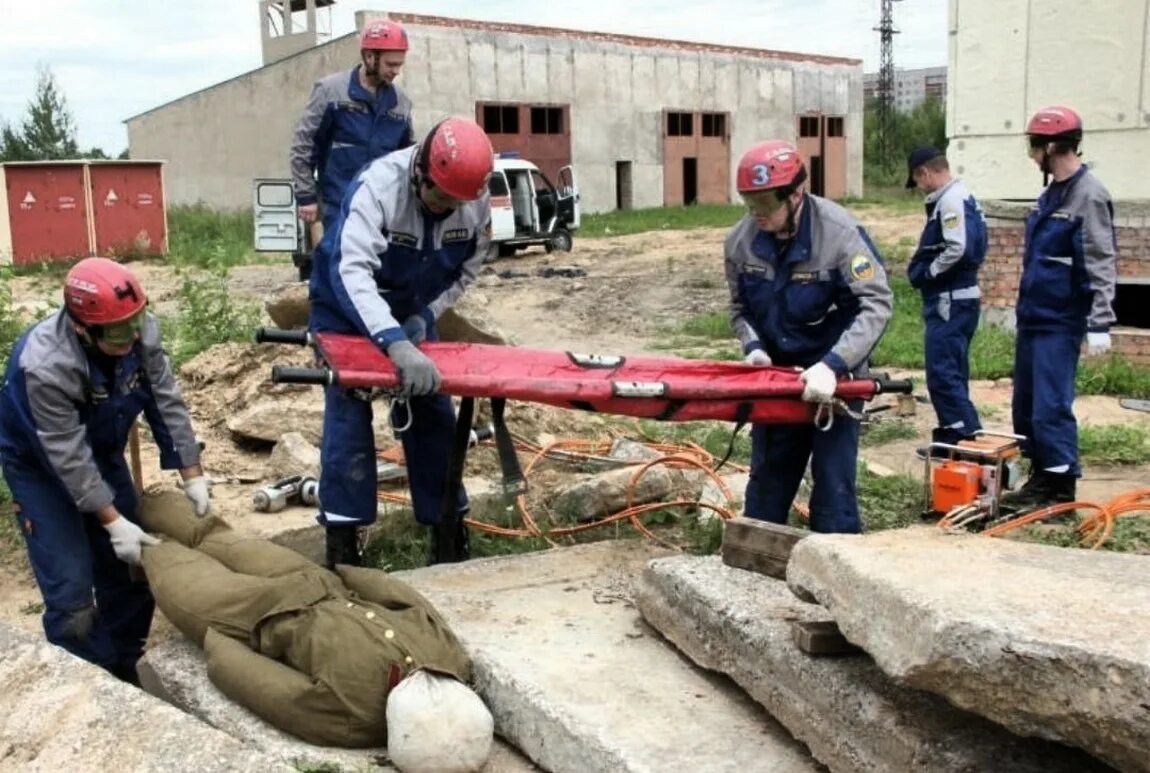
(629, 292)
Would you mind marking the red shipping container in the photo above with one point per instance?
(128, 207)
(46, 217)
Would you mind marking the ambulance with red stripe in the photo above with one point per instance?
(526, 209)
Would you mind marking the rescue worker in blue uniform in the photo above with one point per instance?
(352, 117)
(413, 232)
(809, 291)
(944, 269)
(1066, 293)
(74, 386)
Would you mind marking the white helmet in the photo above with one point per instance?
(437, 724)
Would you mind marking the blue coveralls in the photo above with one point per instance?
(944, 269)
(71, 441)
(823, 296)
(386, 259)
(1067, 289)
(344, 127)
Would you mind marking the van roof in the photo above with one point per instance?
(513, 163)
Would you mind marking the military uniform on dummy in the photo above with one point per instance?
(315, 653)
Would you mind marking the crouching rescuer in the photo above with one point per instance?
(412, 234)
(807, 291)
(75, 384)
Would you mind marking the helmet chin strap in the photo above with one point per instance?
(791, 226)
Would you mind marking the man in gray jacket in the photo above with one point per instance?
(75, 384)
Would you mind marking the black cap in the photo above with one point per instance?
(918, 157)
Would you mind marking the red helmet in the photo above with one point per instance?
(383, 35)
(1056, 122)
(768, 165)
(98, 291)
(458, 158)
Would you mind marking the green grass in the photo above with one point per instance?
(892, 197)
(888, 502)
(713, 436)
(633, 221)
(1131, 535)
(210, 238)
(1114, 444)
(879, 433)
(208, 315)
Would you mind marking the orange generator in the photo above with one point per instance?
(972, 474)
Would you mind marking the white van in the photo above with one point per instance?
(526, 209)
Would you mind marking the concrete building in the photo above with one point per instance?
(911, 87)
(645, 122)
(1010, 57)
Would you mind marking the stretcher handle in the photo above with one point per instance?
(902, 386)
(288, 374)
(275, 335)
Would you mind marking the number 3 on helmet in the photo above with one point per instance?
(768, 165)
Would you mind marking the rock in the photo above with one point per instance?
(632, 451)
(62, 713)
(269, 421)
(849, 714)
(1050, 642)
(607, 493)
(294, 455)
(713, 495)
(563, 272)
(288, 305)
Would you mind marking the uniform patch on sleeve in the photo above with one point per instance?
(862, 267)
(951, 220)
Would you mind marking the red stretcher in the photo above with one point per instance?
(660, 388)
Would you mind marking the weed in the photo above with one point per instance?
(713, 436)
(632, 221)
(702, 536)
(1112, 375)
(714, 325)
(888, 501)
(10, 324)
(1114, 444)
(879, 433)
(209, 238)
(208, 315)
(32, 608)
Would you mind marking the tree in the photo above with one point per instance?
(48, 131)
(924, 125)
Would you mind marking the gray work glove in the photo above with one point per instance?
(128, 539)
(415, 328)
(417, 373)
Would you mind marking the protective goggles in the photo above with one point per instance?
(1037, 142)
(124, 332)
(439, 198)
(763, 203)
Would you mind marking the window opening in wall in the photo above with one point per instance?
(1132, 302)
(546, 120)
(501, 119)
(809, 126)
(835, 126)
(690, 181)
(680, 125)
(714, 125)
(623, 199)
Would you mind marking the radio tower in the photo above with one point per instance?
(885, 90)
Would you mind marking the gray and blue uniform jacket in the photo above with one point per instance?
(1070, 266)
(821, 296)
(953, 243)
(68, 413)
(388, 258)
(343, 128)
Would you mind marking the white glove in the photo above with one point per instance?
(199, 491)
(820, 383)
(758, 358)
(128, 539)
(1097, 343)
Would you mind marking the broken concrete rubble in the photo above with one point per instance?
(58, 712)
(577, 682)
(271, 420)
(1049, 642)
(609, 492)
(850, 715)
(293, 455)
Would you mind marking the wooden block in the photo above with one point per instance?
(821, 637)
(758, 546)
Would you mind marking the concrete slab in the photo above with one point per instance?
(177, 672)
(850, 714)
(1050, 642)
(58, 712)
(578, 682)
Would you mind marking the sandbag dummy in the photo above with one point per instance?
(314, 652)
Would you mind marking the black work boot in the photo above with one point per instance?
(450, 543)
(1042, 490)
(343, 546)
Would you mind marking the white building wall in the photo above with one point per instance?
(217, 140)
(1011, 57)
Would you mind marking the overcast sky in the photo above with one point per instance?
(115, 58)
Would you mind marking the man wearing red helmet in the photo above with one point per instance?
(350, 119)
(76, 381)
(809, 291)
(1066, 293)
(412, 234)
